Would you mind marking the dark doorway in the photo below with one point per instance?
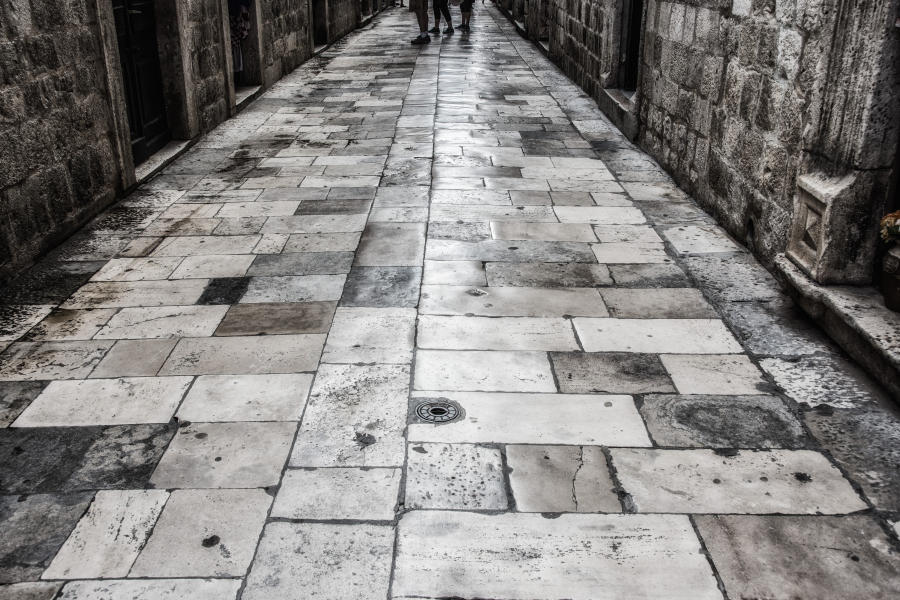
(141, 75)
(633, 11)
(320, 22)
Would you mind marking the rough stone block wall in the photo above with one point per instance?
(582, 40)
(343, 17)
(285, 36)
(204, 21)
(57, 166)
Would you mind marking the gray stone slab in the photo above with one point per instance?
(866, 443)
(153, 589)
(245, 354)
(454, 272)
(776, 328)
(355, 417)
(454, 476)
(525, 251)
(204, 533)
(483, 371)
(466, 555)
(118, 294)
(321, 242)
(382, 287)
(277, 318)
(660, 303)
(610, 373)
(495, 333)
(324, 560)
(722, 422)
(134, 358)
(733, 278)
(801, 557)
(34, 528)
(547, 275)
(338, 493)
(291, 288)
(752, 482)
(228, 398)
(823, 380)
(511, 301)
(65, 325)
(301, 263)
(649, 276)
(695, 336)
(225, 455)
(30, 591)
(556, 479)
(32, 361)
(391, 245)
(15, 396)
(451, 230)
(371, 335)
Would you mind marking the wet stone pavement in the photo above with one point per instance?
(222, 387)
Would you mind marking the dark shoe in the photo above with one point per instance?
(448, 31)
(421, 40)
(434, 29)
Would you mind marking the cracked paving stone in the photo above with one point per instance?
(382, 287)
(823, 381)
(229, 398)
(547, 275)
(134, 358)
(746, 481)
(511, 301)
(301, 263)
(558, 479)
(152, 589)
(64, 459)
(30, 591)
(15, 396)
(32, 361)
(454, 476)
(776, 328)
(240, 355)
(801, 557)
(660, 303)
(371, 335)
(276, 318)
(715, 374)
(722, 422)
(34, 528)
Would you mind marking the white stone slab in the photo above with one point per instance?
(338, 493)
(136, 269)
(483, 371)
(117, 294)
(355, 417)
(152, 589)
(577, 557)
(322, 561)
(62, 325)
(371, 335)
(316, 224)
(641, 234)
(239, 355)
(731, 375)
(120, 401)
(656, 336)
(497, 333)
(630, 253)
(302, 288)
(225, 455)
(225, 398)
(582, 419)
(109, 536)
(454, 272)
(752, 482)
(163, 322)
(454, 476)
(199, 245)
(601, 215)
(204, 533)
(205, 267)
(693, 239)
(278, 208)
(511, 301)
(561, 479)
(552, 232)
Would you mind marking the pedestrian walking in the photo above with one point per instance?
(465, 9)
(422, 17)
(441, 8)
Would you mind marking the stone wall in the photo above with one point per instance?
(57, 163)
(64, 151)
(737, 98)
(285, 37)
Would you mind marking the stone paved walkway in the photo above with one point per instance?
(222, 387)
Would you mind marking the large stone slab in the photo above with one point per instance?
(661, 336)
(525, 251)
(33, 361)
(659, 303)
(153, 589)
(483, 371)
(15, 396)
(824, 380)
(325, 561)
(610, 372)
(163, 322)
(229, 398)
(547, 275)
(277, 318)
(723, 374)
(578, 557)
(391, 245)
(722, 422)
(382, 287)
(511, 301)
(801, 557)
(338, 493)
(371, 335)
(535, 419)
(245, 354)
(753, 482)
(497, 333)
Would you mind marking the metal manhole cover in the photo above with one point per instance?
(437, 411)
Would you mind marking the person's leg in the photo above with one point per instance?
(436, 8)
(422, 16)
(445, 10)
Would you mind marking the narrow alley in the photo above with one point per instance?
(420, 323)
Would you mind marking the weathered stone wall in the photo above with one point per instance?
(343, 17)
(206, 53)
(285, 36)
(57, 164)
(738, 97)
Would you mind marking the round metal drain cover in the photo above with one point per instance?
(437, 411)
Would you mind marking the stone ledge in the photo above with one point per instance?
(855, 317)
